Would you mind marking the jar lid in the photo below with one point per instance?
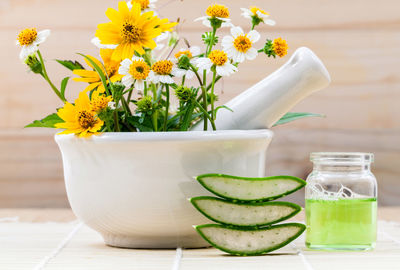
(342, 157)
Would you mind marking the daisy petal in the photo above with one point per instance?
(236, 31)
(207, 23)
(127, 80)
(227, 41)
(139, 84)
(251, 54)
(253, 35)
(27, 50)
(42, 36)
(270, 22)
(201, 18)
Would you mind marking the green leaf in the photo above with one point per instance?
(142, 124)
(208, 40)
(98, 70)
(64, 86)
(71, 65)
(47, 122)
(292, 116)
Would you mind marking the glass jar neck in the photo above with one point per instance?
(342, 167)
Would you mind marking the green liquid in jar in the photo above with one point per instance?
(341, 224)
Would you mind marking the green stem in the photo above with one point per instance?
(206, 114)
(209, 48)
(130, 95)
(204, 95)
(212, 95)
(205, 105)
(166, 108)
(145, 89)
(216, 80)
(117, 129)
(46, 77)
(155, 112)
(126, 106)
(183, 79)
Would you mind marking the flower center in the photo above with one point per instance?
(86, 119)
(163, 67)
(100, 103)
(280, 47)
(179, 54)
(27, 36)
(112, 69)
(143, 3)
(139, 70)
(130, 33)
(217, 11)
(242, 43)
(218, 57)
(254, 10)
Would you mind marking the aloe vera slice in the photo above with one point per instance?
(244, 241)
(250, 189)
(250, 214)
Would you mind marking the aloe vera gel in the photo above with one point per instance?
(341, 202)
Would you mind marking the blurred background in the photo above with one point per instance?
(358, 40)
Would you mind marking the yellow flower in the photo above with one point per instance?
(30, 39)
(161, 71)
(217, 10)
(219, 59)
(79, 119)
(257, 15)
(256, 10)
(92, 77)
(280, 47)
(131, 30)
(99, 101)
(144, 4)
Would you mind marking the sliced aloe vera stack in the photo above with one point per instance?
(242, 241)
(250, 214)
(250, 189)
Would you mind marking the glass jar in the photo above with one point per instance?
(341, 202)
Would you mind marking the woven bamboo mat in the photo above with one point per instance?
(74, 246)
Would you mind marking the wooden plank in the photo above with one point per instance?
(290, 14)
(41, 215)
(71, 246)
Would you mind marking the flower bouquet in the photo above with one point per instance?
(140, 69)
(131, 181)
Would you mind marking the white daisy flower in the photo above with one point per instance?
(29, 39)
(260, 14)
(220, 60)
(162, 72)
(216, 11)
(96, 42)
(135, 72)
(146, 5)
(239, 46)
(191, 53)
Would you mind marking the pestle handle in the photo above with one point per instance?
(263, 104)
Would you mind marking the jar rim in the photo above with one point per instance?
(342, 157)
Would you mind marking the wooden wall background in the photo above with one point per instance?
(358, 40)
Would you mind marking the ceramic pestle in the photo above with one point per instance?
(266, 102)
